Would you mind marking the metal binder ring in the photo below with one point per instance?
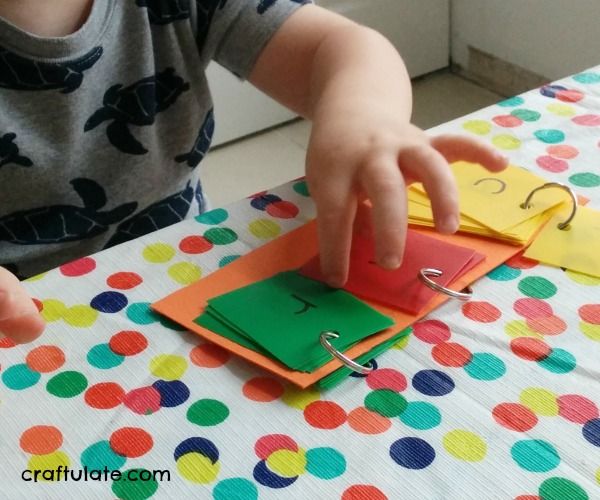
(324, 339)
(562, 225)
(424, 276)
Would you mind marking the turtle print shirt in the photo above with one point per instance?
(102, 131)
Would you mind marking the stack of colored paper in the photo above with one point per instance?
(191, 306)
(284, 316)
(491, 203)
(401, 288)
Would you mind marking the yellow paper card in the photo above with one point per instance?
(417, 196)
(576, 248)
(494, 199)
(420, 214)
(518, 235)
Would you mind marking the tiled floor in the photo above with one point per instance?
(268, 159)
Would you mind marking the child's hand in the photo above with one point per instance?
(376, 157)
(353, 85)
(19, 318)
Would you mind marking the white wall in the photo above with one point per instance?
(418, 28)
(553, 38)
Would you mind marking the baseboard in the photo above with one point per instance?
(497, 75)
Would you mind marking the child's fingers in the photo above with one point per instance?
(458, 147)
(385, 187)
(10, 289)
(23, 329)
(431, 168)
(12, 296)
(19, 318)
(335, 214)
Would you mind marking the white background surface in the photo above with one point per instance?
(552, 38)
(418, 28)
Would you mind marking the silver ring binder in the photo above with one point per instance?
(424, 276)
(324, 339)
(562, 225)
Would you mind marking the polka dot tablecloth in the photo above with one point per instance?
(496, 398)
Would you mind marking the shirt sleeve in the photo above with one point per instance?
(234, 32)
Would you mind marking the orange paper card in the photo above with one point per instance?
(291, 251)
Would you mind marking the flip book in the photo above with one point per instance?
(272, 308)
(260, 308)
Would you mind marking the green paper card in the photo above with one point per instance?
(285, 314)
(214, 324)
(217, 324)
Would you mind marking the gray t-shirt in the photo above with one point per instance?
(101, 131)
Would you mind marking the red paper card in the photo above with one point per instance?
(402, 287)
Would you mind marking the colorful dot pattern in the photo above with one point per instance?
(504, 383)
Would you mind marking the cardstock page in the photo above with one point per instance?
(576, 248)
(420, 214)
(494, 199)
(402, 288)
(286, 313)
(290, 252)
(213, 323)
